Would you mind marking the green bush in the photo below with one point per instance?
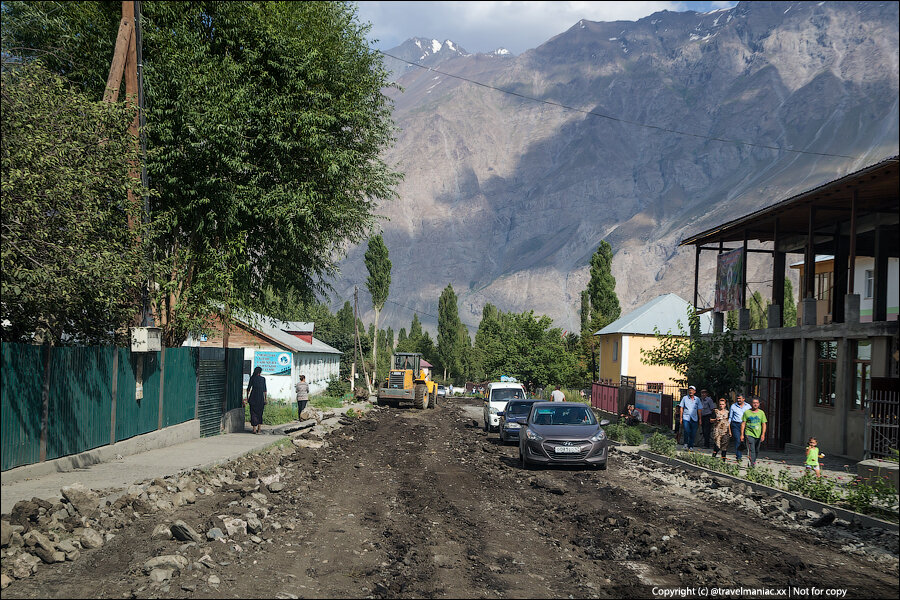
(326, 402)
(615, 432)
(337, 387)
(633, 436)
(760, 475)
(275, 413)
(662, 444)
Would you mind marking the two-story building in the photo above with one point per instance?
(834, 375)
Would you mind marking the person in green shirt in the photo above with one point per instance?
(812, 456)
(753, 430)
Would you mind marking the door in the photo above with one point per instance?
(211, 384)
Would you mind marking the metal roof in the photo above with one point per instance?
(877, 191)
(662, 313)
(275, 330)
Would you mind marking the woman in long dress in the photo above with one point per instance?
(257, 396)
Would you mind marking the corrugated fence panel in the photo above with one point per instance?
(20, 402)
(180, 385)
(80, 400)
(137, 416)
(235, 373)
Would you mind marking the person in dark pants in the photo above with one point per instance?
(707, 417)
(257, 397)
(735, 420)
(302, 389)
(753, 430)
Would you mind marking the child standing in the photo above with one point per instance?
(812, 456)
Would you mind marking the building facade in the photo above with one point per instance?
(833, 375)
(621, 343)
(283, 349)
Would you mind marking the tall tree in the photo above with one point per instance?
(71, 265)
(731, 320)
(401, 337)
(264, 141)
(601, 288)
(790, 304)
(448, 332)
(759, 311)
(585, 311)
(378, 283)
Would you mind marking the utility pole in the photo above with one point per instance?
(355, 344)
(125, 63)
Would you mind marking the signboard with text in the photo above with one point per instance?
(649, 401)
(273, 363)
(730, 281)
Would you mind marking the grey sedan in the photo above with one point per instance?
(563, 433)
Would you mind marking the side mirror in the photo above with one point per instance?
(604, 422)
(501, 414)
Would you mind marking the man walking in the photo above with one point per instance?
(302, 389)
(753, 430)
(557, 395)
(707, 416)
(736, 420)
(690, 417)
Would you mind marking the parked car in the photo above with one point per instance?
(442, 391)
(512, 418)
(563, 433)
(496, 396)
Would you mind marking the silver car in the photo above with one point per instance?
(563, 433)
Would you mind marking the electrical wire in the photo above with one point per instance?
(612, 118)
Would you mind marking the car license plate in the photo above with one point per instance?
(567, 449)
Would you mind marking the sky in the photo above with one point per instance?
(486, 26)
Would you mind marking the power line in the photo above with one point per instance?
(612, 118)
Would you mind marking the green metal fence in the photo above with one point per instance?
(93, 398)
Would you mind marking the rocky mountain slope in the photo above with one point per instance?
(507, 198)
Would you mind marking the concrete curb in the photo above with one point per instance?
(169, 436)
(806, 503)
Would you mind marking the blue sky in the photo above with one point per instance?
(517, 26)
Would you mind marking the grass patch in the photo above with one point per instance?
(661, 444)
(325, 402)
(633, 436)
(275, 413)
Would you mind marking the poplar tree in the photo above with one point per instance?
(378, 283)
(448, 331)
(789, 307)
(601, 288)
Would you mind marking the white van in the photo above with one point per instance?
(496, 396)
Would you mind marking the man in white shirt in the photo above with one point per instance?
(557, 395)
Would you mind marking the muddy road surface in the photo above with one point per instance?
(405, 503)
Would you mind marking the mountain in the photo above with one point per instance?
(428, 52)
(507, 198)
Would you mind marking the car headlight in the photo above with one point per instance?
(494, 410)
(513, 426)
(599, 436)
(531, 435)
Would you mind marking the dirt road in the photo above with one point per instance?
(407, 503)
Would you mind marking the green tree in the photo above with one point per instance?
(759, 311)
(264, 141)
(731, 320)
(378, 283)
(601, 288)
(716, 360)
(448, 345)
(401, 337)
(790, 304)
(71, 265)
(585, 311)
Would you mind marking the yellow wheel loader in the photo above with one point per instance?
(408, 382)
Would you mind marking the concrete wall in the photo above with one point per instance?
(839, 429)
(170, 436)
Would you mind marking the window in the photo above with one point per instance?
(870, 283)
(248, 364)
(826, 373)
(615, 351)
(823, 286)
(862, 374)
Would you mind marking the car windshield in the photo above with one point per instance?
(563, 415)
(506, 394)
(518, 408)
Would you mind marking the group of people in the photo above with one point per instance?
(257, 396)
(742, 424)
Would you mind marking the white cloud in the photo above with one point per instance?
(483, 26)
